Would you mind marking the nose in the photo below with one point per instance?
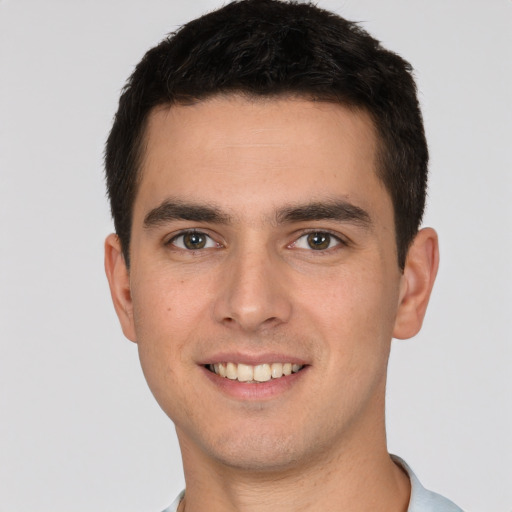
(253, 294)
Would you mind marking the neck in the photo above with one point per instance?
(350, 477)
(383, 489)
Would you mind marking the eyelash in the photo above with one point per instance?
(340, 242)
(190, 232)
(211, 243)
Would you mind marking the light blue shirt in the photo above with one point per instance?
(422, 500)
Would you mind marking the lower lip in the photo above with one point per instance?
(255, 390)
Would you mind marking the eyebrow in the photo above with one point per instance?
(178, 210)
(338, 210)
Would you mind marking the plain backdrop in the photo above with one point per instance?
(79, 430)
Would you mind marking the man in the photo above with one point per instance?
(267, 172)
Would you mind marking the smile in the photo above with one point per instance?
(258, 373)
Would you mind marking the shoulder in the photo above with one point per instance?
(174, 505)
(423, 500)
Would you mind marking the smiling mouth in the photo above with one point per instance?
(253, 374)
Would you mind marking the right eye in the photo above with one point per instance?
(193, 241)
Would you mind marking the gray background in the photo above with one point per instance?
(79, 431)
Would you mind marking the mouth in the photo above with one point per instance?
(254, 374)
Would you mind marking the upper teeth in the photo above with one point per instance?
(258, 373)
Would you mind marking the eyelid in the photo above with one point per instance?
(341, 240)
(169, 241)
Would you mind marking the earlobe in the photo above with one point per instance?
(119, 282)
(417, 282)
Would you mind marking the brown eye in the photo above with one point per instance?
(194, 241)
(319, 241)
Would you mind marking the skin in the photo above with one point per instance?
(257, 291)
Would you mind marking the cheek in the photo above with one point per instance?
(355, 312)
(167, 306)
(166, 314)
(163, 325)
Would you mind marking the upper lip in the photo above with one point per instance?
(252, 359)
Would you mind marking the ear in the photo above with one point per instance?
(119, 282)
(416, 283)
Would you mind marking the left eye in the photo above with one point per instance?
(193, 241)
(317, 241)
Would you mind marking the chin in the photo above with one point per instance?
(264, 451)
(261, 455)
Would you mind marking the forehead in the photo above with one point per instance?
(288, 148)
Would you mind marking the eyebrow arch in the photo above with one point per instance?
(339, 210)
(170, 210)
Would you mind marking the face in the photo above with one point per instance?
(263, 243)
